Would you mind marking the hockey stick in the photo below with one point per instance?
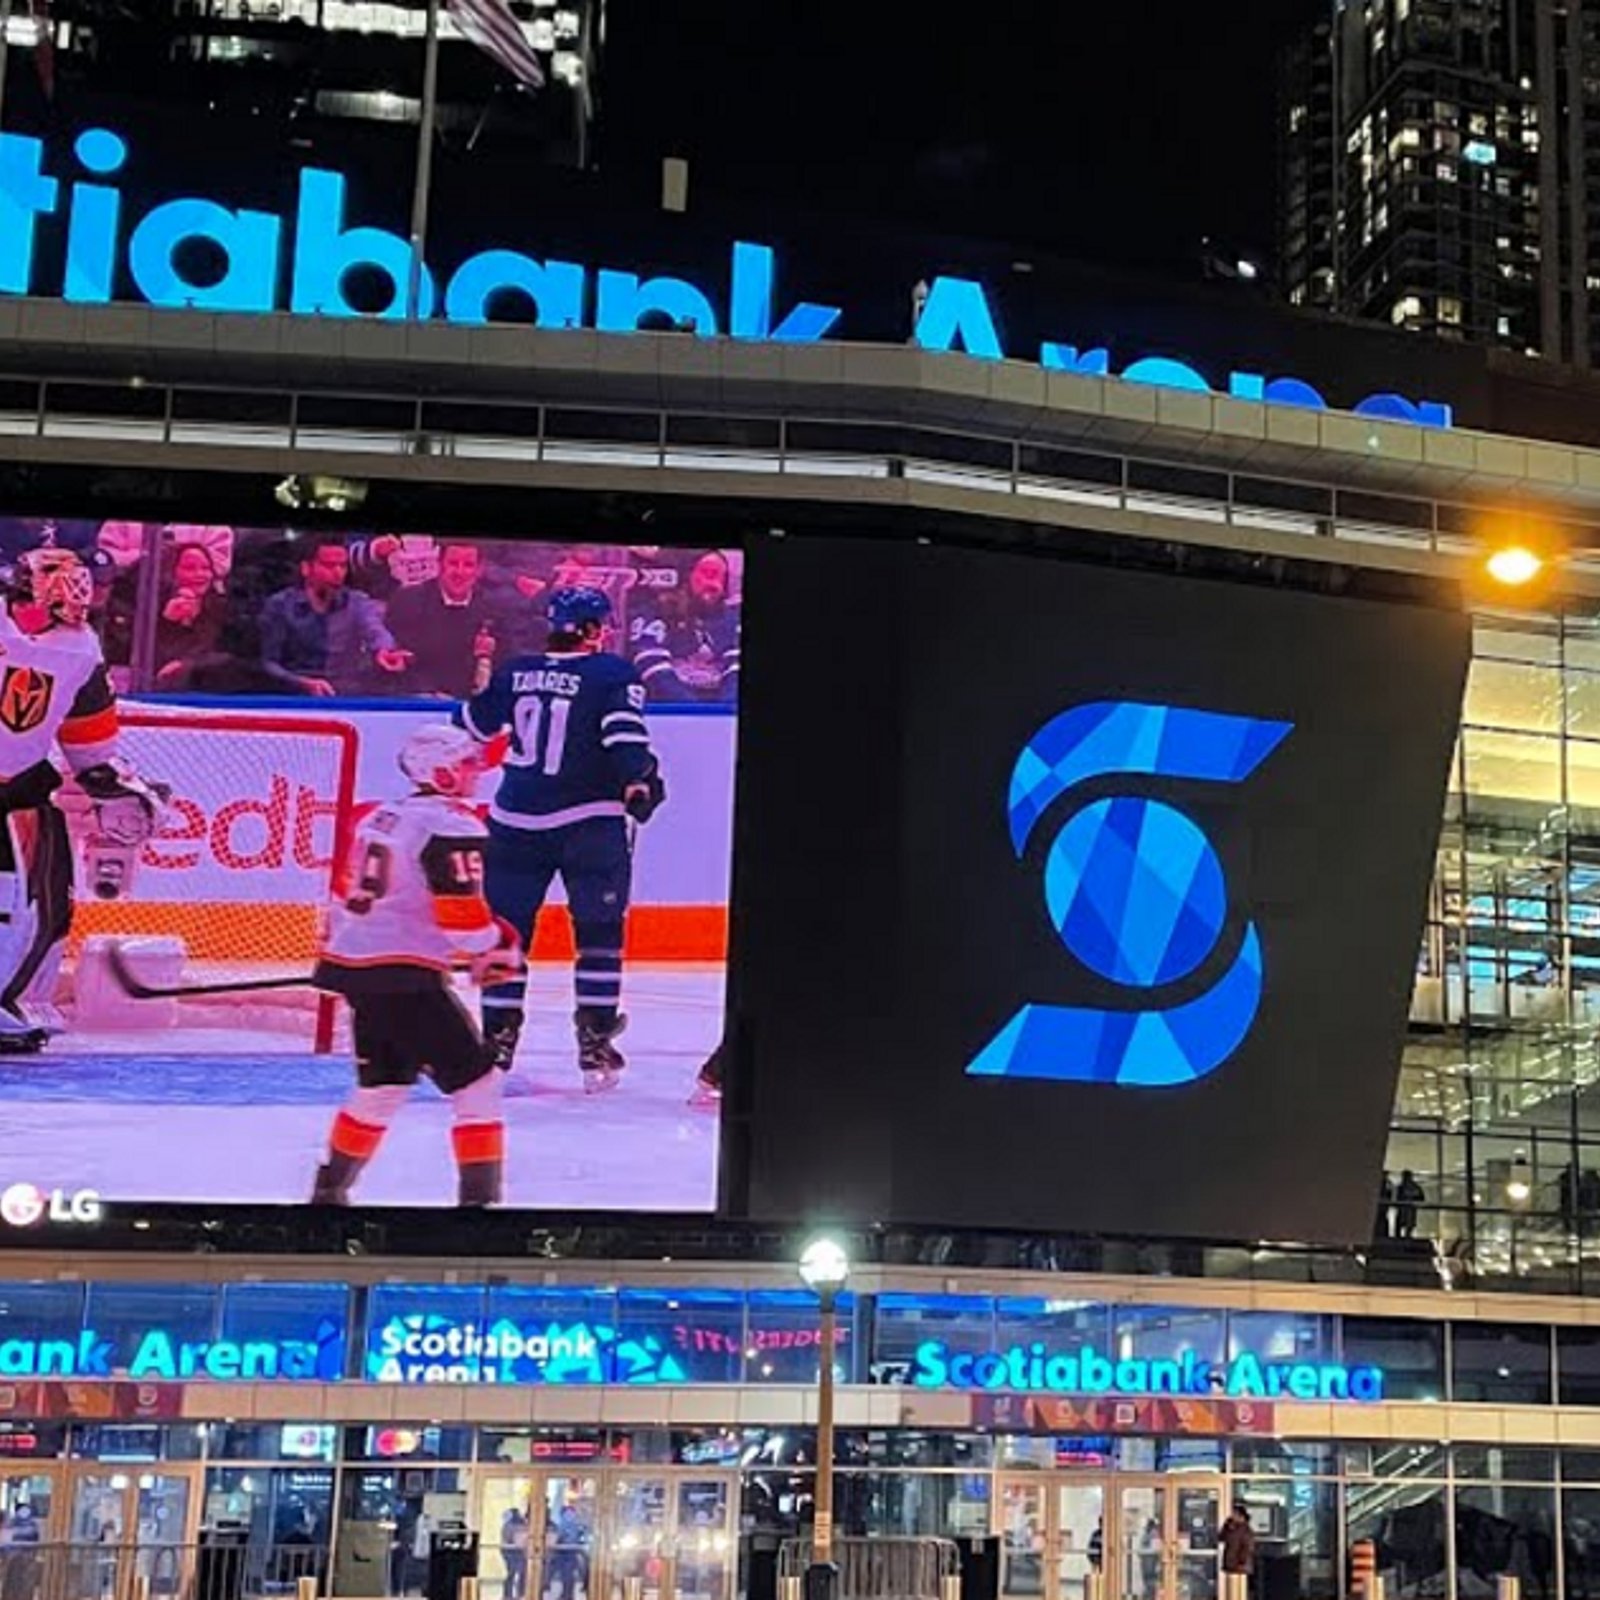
(132, 986)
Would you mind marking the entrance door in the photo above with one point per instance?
(1052, 1536)
(1167, 1539)
(133, 1521)
(565, 1554)
(703, 1545)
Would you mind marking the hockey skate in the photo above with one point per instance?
(598, 1058)
(20, 1035)
(705, 1096)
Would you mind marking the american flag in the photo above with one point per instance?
(490, 25)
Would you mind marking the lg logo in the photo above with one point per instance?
(1137, 893)
(24, 1204)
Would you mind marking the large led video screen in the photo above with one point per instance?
(300, 987)
(1100, 896)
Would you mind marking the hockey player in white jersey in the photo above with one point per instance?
(411, 910)
(54, 695)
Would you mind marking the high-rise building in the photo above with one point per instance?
(1435, 161)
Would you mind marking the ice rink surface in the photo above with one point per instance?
(239, 1115)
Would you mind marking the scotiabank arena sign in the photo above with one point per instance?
(1035, 1368)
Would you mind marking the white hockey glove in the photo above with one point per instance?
(126, 806)
(503, 963)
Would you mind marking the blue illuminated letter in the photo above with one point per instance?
(1396, 408)
(623, 301)
(750, 304)
(931, 1372)
(1069, 358)
(92, 230)
(249, 239)
(957, 308)
(554, 287)
(325, 250)
(25, 194)
(1162, 373)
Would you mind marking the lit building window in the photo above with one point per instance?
(1406, 309)
(1479, 152)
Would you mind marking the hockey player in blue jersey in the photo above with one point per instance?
(578, 767)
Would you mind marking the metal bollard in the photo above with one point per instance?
(1508, 1586)
(1375, 1587)
(633, 1588)
(467, 1588)
(789, 1588)
(305, 1587)
(1094, 1585)
(950, 1587)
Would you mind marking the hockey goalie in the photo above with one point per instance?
(55, 695)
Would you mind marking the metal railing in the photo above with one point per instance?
(879, 1569)
(158, 1571)
(368, 424)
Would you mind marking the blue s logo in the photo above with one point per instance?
(1136, 892)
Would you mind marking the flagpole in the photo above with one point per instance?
(424, 178)
(5, 46)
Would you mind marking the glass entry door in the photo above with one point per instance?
(1052, 1536)
(132, 1521)
(1167, 1532)
(612, 1535)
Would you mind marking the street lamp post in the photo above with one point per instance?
(824, 1266)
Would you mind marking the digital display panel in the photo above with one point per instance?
(1101, 891)
(300, 985)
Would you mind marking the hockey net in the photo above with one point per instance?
(240, 871)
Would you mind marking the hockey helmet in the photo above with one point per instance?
(443, 758)
(573, 607)
(58, 580)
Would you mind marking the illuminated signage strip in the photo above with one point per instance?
(312, 253)
(1034, 1368)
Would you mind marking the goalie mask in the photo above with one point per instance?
(58, 582)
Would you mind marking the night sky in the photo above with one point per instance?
(1110, 130)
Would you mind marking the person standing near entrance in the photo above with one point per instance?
(514, 1552)
(1238, 1541)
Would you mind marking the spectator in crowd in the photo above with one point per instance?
(318, 635)
(685, 640)
(448, 627)
(193, 609)
(390, 562)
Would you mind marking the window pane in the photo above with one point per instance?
(1297, 1531)
(1066, 1327)
(1578, 1366)
(416, 1330)
(1410, 1353)
(1168, 1333)
(40, 1313)
(1580, 1517)
(1510, 766)
(304, 1322)
(695, 1334)
(1279, 1335)
(785, 1336)
(1520, 698)
(1500, 1362)
(145, 1323)
(1501, 1463)
(1504, 1530)
(1407, 1522)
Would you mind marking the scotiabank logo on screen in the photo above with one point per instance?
(1137, 893)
